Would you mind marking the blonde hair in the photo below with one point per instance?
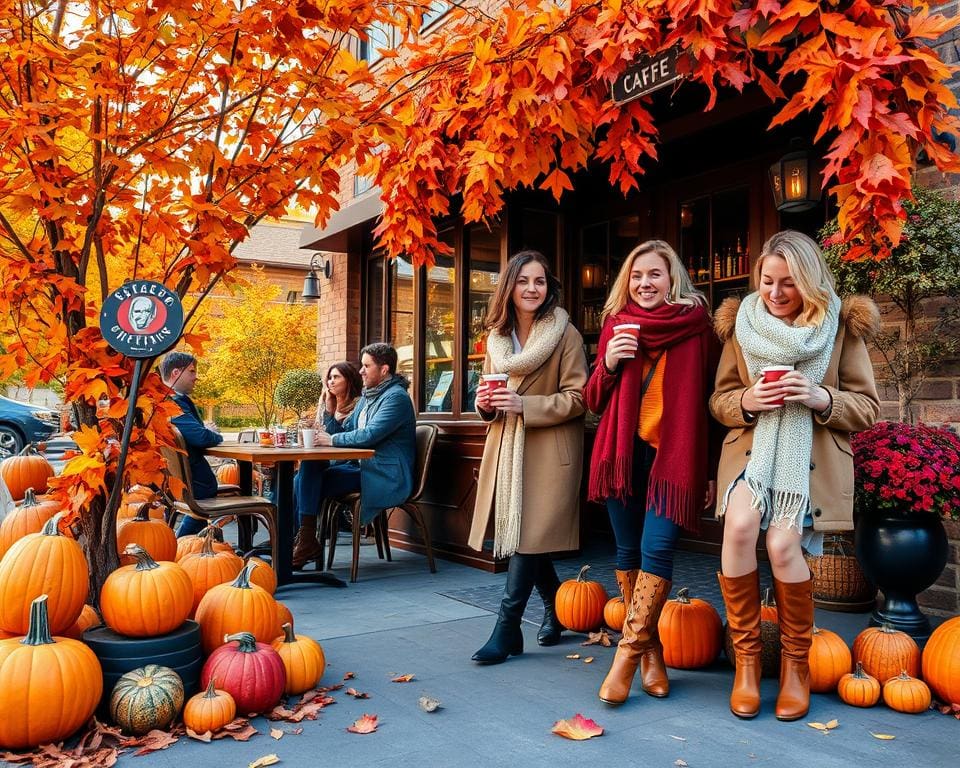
(808, 269)
(681, 289)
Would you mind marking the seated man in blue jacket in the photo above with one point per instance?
(384, 420)
(179, 372)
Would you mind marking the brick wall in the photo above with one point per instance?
(943, 598)
(339, 321)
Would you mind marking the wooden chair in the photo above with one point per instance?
(426, 439)
(243, 508)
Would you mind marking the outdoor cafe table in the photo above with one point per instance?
(284, 459)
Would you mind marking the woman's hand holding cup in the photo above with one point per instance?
(768, 391)
(483, 397)
(623, 345)
(506, 400)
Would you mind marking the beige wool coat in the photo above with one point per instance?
(552, 455)
(849, 380)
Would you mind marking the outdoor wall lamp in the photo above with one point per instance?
(592, 275)
(794, 180)
(311, 283)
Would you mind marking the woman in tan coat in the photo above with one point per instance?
(530, 472)
(786, 465)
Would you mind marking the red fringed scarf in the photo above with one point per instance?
(678, 478)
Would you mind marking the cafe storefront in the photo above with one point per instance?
(709, 195)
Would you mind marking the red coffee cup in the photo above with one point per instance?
(266, 437)
(628, 329)
(775, 373)
(495, 380)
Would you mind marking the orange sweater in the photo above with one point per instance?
(651, 405)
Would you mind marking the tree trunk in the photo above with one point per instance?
(99, 545)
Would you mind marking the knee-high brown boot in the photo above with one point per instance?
(795, 608)
(640, 643)
(741, 594)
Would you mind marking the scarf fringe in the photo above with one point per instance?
(681, 503)
(610, 480)
(783, 509)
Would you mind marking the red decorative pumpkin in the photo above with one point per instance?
(886, 652)
(45, 563)
(29, 517)
(941, 661)
(237, 606)
(251, 672)
(579, 603)
(28, 469)
(690, 631)
(830, 660)
(155, 536)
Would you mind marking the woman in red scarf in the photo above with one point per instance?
(651, 382)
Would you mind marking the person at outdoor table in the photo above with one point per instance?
(651, 462)
(383, 420)
(530, 472)
(179, 372)
(343, 386)
(786, 464)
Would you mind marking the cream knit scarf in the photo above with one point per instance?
(778, 472)
(544, 337)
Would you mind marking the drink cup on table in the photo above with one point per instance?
(773, 373)
(266, 437)
(308, 437)
(628, 329)
(280, 437)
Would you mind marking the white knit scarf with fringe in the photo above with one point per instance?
(544, 337)
(778, 472)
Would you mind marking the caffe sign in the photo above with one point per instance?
(646, 75)
(141, 318)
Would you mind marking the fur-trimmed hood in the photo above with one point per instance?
(859, 314)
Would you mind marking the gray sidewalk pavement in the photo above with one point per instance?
(401, 619)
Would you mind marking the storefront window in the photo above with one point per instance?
(483, 262)
(439, 336)
(402, 317)
(375, 300)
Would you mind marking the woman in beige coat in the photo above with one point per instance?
(786, 464)
(530, 472)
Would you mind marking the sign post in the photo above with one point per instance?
(646, 75)
(140, 319)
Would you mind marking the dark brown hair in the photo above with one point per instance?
(351, 374)
(382, 354)
(501, 314)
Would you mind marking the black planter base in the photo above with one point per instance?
(902, 614)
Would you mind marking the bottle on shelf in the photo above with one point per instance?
(716, 265)
(729, 261)
(741, 262)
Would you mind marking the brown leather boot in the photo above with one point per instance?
(627, 581)
(795, 607)
(640, 642)
(741, 594)
(305, 545)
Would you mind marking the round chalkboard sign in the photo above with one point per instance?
(141, 318)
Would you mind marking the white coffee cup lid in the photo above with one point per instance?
(627, 325)
(776, 368)
(497, 376)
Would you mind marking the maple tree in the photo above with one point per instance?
(525, 101)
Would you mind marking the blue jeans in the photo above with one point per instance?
(189, 526)
(319, 480)
(644, 538)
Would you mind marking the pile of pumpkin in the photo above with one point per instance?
(884, 662)
(253, 656)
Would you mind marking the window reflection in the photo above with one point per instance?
(439, 332)
(402, 315)
(484, 270)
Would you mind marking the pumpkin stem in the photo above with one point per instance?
(211, 692)
(206, 550)
(768, 600)
(582, 572)
(683, 596)
(246, 642)
(29, 498)
(144, 561)
(243, 578)
(887, 628)
(288, 636)
(52, 526)
(143, 512)
(38, 631)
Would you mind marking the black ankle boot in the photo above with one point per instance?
(547, 584)
(507, 639)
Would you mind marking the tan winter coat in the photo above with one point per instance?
(849, 380)
(552, 455)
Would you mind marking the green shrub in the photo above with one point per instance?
(299, 390)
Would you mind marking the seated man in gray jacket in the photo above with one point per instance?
(383, 420)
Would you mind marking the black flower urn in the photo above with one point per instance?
(902, 554)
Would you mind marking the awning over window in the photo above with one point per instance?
(334, 236)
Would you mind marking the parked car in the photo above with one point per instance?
(22, 423)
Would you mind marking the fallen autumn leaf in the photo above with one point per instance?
(882, 736)
(261, 762)
(577, 728)
(366, 724)
(403, 678)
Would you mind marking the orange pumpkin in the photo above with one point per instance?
(50, 686)
(615, 613)
(690, 631)
(858, 689)
(237, 606)
(208, 567)
(768, 607)
(147, 598)
(830, 660)
(228, 473)
(155, 536)
(263, 575)
(885, 652)
(941, 661)
(28, 517)
(45, 563)
(904, 693)
(88, 618)
(132, 499)
(284, 616)
(156, 510)
(190, 545)
(579, 603)
(302, 658)
(210, 710)
(28, 469)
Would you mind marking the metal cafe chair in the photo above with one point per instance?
(208, 510)
(426, 439)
